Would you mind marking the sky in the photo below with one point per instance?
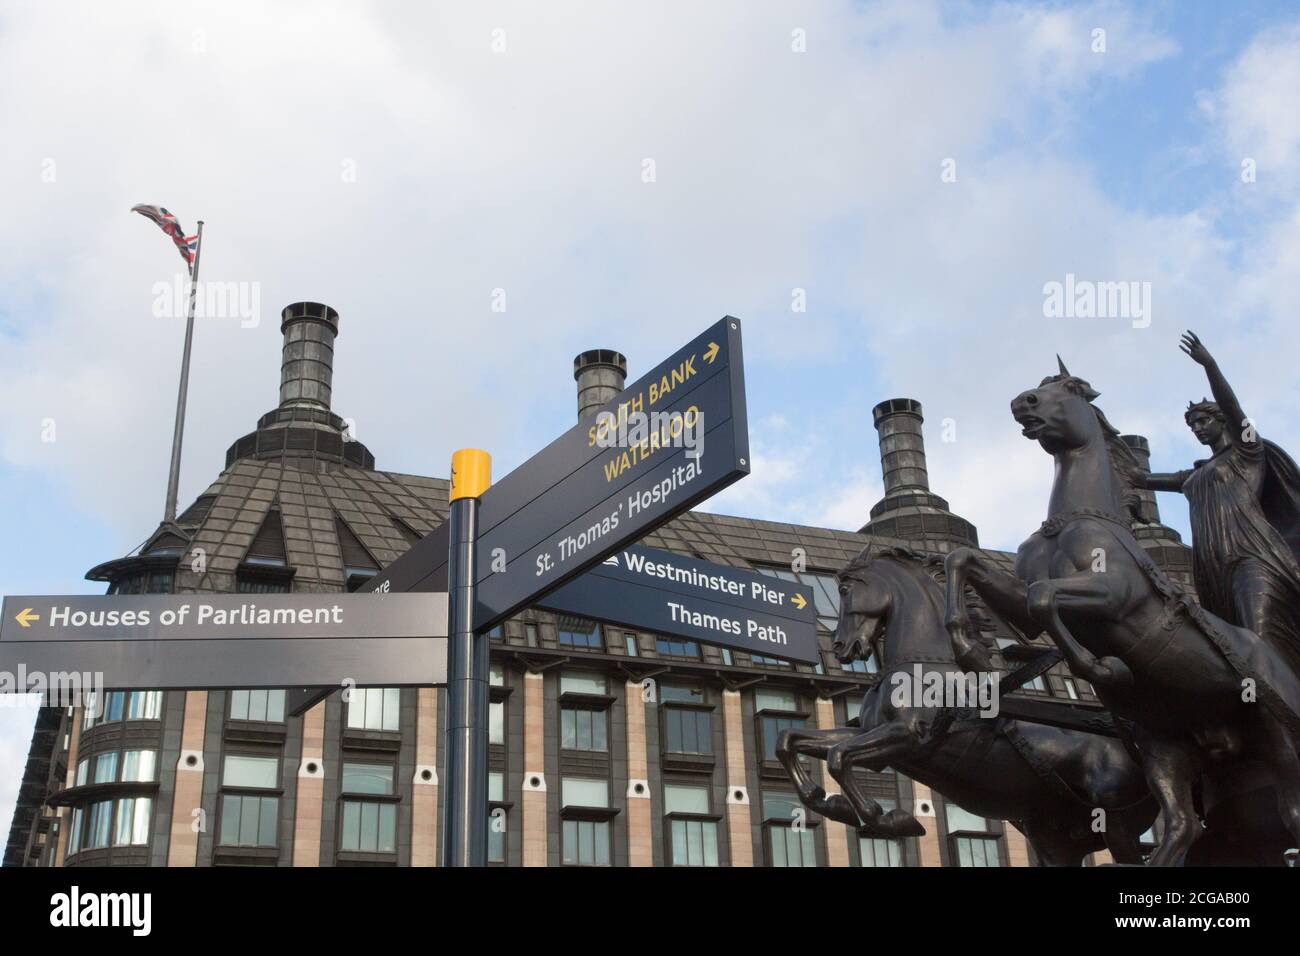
(881, 192)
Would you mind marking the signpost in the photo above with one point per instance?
(660, 591)
(595, 489)
(198, 641)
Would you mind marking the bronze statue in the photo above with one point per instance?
(1048, 781)
(1244, 502)
(1198, 690)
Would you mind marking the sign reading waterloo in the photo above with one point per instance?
(673, 438)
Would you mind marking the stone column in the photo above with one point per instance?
(739, 828)
(183, 846)
(837, 834)
(534, 791)
(640, 851)
(424, 789)
(929, 844)
(310, 802)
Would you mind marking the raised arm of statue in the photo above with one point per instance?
(1235, 423)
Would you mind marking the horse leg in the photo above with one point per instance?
(796, 741)
(1171, 767)
(1002, 591)
(1052, 846)
(1275, 745)
(879, 745)
(1088, 592)
(1122, 838)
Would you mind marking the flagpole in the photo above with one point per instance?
(174, 476)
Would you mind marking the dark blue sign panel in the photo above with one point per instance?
(201, 641)
(663, 592)
(598, 488)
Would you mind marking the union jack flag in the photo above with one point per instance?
(186, 245)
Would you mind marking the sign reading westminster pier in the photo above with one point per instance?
(229, 640)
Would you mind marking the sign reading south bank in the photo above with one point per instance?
(229, 640)
(667, 593)
(667, 442)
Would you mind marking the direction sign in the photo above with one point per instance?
(596, 489)
(195, 641)
(667, 593)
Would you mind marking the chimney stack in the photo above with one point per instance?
(1163, 543)
(600, 374)
(909, 511)
(307, 362)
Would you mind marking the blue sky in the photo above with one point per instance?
(401, 164)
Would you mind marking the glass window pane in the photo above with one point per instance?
(83, 772)
(367, 778)
(960, 820)
(586, 841)
(374, 719)
(351, 826)
(774, 700)
(679, 842)
(250, 771)
(275, 706)
(268, 811)
(580, 792)
(582, 684)
(680, 798)
(496, 787)
(710, 843)
(392, 708)
(248, 821)
(568, 728)
(598, 730)
(497, 722)
(74, 833)
(369, 827)
(106, 768)
(239, 705)
(387, 827)
(230, 805)
(602, 842)
(673, 729)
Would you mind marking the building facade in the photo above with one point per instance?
(608, 746)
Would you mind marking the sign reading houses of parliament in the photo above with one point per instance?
(229, 640)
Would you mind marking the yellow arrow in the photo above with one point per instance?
(25, 617)
(711, 352)
(799, 601)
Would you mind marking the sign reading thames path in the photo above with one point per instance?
(603, 484)
(667, 593)
(200, 641)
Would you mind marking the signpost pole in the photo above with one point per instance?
(465, 801)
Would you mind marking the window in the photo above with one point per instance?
(144, 705)
(768, 661)
(676, 647)
(583, 728)
(585, 839)
(530, 635)
(789, 837)
(629, 642)
(694, 839)
(593, 684)
(825, 589)
(497, 633)
(83, 772)
(74, 831)
(257, 584)
(139, 766)
(972, 839)
(497, 722)
(264, 705)
(496, 676)
(374, 708)
(687, 729)
(249, 819)
(497, 818)
(132, 821)
(143, 582)
(368, 827)
(99, 825)
(876, 851)
(105, 768)
(776, 711)
(579, 632)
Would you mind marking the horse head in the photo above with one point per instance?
(1060, 415)
(892, 585)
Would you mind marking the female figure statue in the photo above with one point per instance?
(1244, 502)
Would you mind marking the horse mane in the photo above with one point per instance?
(932, 565)
(1124, 465)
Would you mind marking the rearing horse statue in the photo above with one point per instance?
(1048, 781)
(1197, 690)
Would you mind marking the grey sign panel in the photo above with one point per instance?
(228, 640)
(653, 590)
(582, 497)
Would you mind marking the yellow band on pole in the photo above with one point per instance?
(471, 473)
